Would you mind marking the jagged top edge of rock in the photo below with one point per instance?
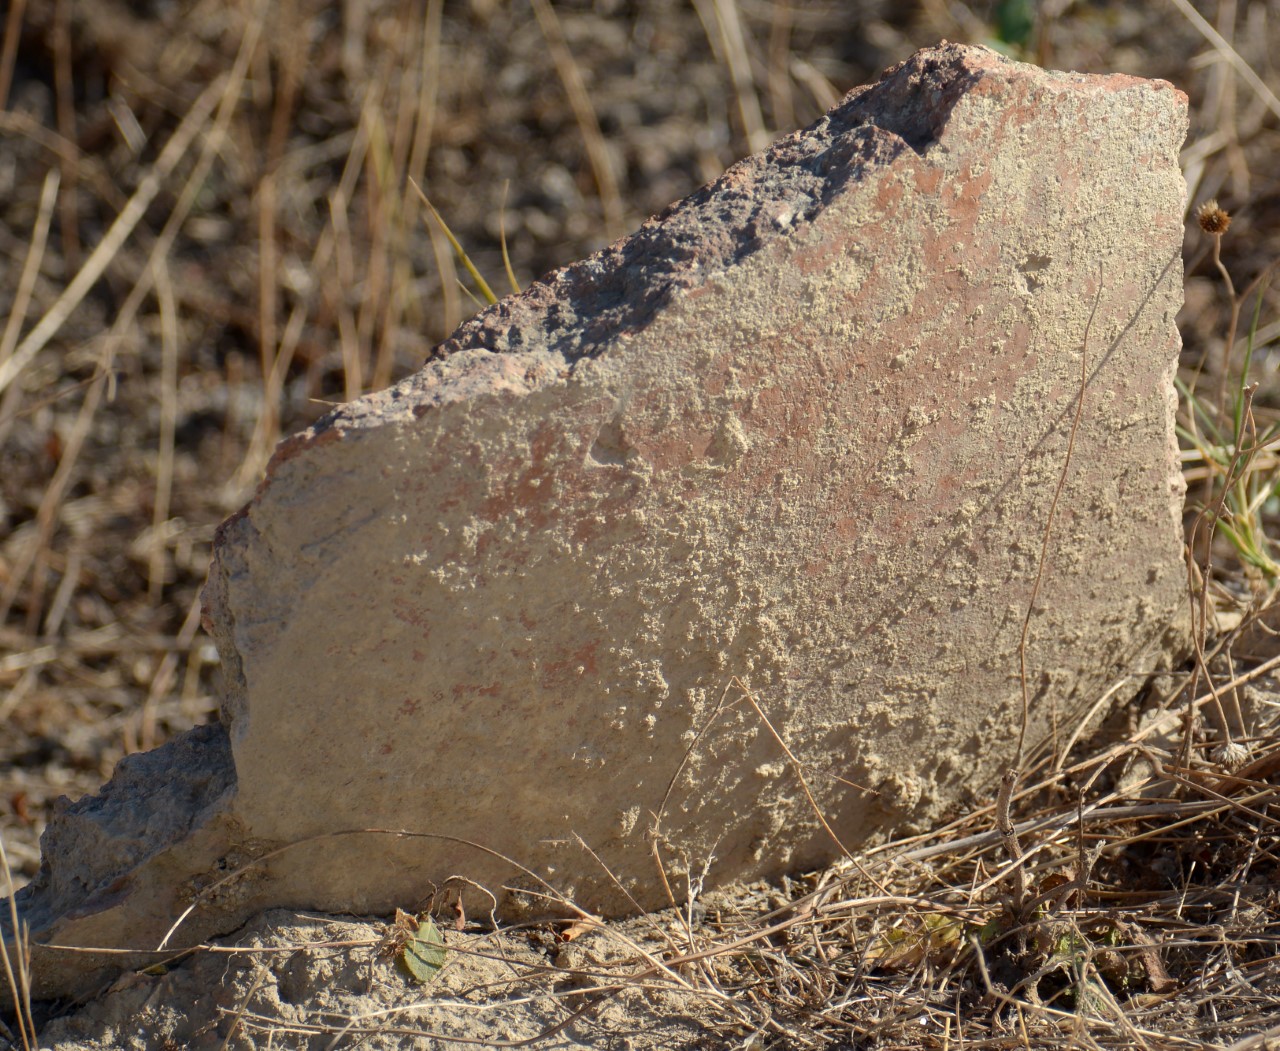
(577, 311)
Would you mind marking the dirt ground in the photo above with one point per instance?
(280, 262)
(317, 978)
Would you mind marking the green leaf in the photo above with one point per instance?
(423, 953)
(1015, 21)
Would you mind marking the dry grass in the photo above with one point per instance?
(210, 233)
(1150, 920)
(14, 958)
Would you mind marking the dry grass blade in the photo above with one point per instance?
(9, 52)
(64, 109)
(797, 766)
(266, 431)
(1263, 1041)
(428, 90)
(723, 25)
(1229, 53)
(397, 304)
(22, 298)
(208, 892)
(344, 255)
(14, 955)
(458, 250)
(239, 1015)
(30, 266)
(224, 92)
(193, 123)
(382, 198)
(168, 425)
(584, 112)
(332, 242)
(502, 237)
(163, 680)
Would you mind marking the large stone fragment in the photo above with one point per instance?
(802, 431)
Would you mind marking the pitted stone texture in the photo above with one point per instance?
(800, 432)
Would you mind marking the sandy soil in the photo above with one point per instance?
(308, 981)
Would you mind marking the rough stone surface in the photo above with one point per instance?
(802, 430)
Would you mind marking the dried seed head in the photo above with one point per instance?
(1212, 218)
(1231, 756)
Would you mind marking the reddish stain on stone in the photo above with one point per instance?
(570, 670)
(461, 690)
